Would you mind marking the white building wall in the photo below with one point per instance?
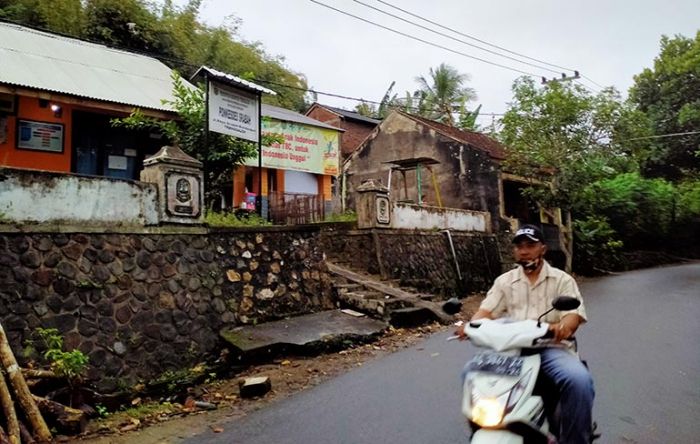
(414, 217)
(41, 197)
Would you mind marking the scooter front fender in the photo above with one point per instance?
(491, 436)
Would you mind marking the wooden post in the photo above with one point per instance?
(41, 431)
(8, 408)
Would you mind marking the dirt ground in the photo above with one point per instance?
(149, 422)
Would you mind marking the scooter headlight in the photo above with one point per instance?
(488, 412)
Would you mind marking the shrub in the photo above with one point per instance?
(214, 219)
(596, 246)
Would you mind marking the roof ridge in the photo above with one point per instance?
(497, 150)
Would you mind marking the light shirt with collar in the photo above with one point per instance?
(513, 296)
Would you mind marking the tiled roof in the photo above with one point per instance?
(478, 140)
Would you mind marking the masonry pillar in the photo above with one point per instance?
(373, 205)
(179, 179)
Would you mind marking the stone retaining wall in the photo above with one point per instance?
(140, 304)
(421, 259)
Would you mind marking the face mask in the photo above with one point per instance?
(530, 265)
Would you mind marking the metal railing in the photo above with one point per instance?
(296, 208)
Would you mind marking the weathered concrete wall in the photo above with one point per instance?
(44, 197)
(467, 177)
(415, 217)
(140, 304)
(422, 259)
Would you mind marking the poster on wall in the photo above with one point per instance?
(232, 111)
(40, 136)
(305, 148)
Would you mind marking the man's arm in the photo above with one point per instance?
(566, 327)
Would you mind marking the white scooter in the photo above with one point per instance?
(499, 397)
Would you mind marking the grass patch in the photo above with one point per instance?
(348, 216)
(229, 220)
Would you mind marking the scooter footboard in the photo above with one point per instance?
(491, 436)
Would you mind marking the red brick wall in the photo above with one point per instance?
(355, 132)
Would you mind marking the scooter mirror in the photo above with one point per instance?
(452, 306)
(565, 303)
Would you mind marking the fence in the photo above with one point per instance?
(296, 208)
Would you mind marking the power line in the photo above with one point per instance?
(340, 96)
(472, 37)
(593, 82)
(688, 133)
(184, 63)
(423, 41)
(454, 38)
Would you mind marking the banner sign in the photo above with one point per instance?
(40, 136)
(305, 148)
(232, 111)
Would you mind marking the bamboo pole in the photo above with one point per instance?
(8, 409)
(41, 431)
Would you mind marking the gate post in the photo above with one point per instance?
(373, 205)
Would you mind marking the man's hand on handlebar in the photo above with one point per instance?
(461, 335)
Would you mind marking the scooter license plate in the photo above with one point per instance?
(498, 364)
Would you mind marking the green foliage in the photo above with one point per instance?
(348, 216)
(229, 220)
(569, 138)
(69, 364)
(218, 153)
(640, 210)
(102, 411)
(669, 94)
(442, 96)
(61, 16)
(173, 33)
(688, 204)
(597, 246)
(444, 93)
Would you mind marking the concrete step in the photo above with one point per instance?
(411, 317)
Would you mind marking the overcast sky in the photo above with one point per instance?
(608, 41)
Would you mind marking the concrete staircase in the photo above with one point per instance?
(384, 299)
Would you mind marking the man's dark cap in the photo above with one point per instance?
(528, 232)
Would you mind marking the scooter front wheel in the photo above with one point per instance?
(490, 436)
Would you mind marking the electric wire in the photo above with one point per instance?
(436, 45)
(472, 37)
(687, 133)
(454, 38)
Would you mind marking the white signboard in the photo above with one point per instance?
(232, 111)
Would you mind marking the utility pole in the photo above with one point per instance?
(563, 78)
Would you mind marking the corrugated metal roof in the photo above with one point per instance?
(232, 80)
(50, 62)
(291, 116)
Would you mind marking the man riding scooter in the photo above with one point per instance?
(528, 291)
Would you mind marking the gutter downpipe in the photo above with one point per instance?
(454, 254)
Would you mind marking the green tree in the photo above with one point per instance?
(444, 93)
(219, 153)
(567, 138)
(669, 93)
(61, 16)
(129, 24)
(222, 48)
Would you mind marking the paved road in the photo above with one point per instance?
(642, 345)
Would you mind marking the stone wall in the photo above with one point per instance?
(421, 259)
(140, 304)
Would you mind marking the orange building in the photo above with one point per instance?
(58, 96)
